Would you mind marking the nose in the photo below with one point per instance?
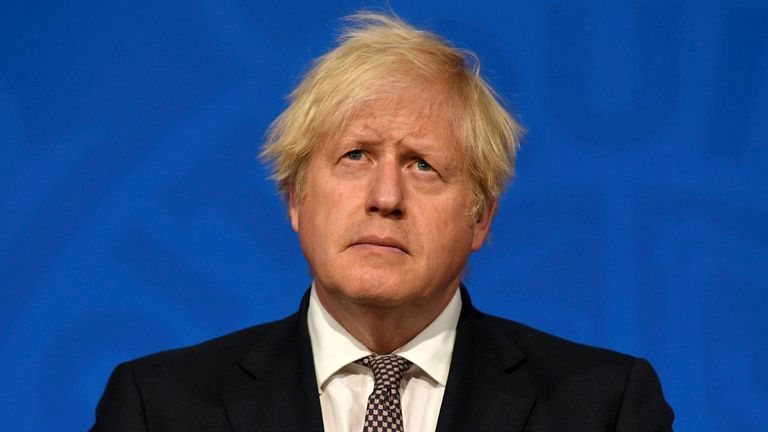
(385, 192)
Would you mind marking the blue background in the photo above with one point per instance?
(136, 218)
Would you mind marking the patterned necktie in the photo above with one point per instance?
(383, 413)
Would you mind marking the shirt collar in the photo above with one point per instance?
(333, 347)
(431, 349)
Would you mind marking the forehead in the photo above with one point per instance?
(409, 114)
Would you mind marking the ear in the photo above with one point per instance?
(293, 209)
(482, 225)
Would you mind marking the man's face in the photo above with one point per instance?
(384, 214)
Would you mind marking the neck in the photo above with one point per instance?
(383, 328)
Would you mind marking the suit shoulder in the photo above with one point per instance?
(221, 352)
(583, 377)
(558, 357)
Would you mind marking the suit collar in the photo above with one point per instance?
(279, 391)
(485, 391)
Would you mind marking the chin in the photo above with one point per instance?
(374, 290)
(377, 299)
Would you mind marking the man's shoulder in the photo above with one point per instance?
(534, 340)
(185, 386)
(553, 355)
(574, 383)
(218, 356)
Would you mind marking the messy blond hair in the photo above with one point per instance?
(377, 55)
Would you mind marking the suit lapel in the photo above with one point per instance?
(485, 390)
(279, 390)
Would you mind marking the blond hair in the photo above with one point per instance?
(379, 54)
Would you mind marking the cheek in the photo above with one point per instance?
(448, 226)
(324, 215)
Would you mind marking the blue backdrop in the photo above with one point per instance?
(136, 218)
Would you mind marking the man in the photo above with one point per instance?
(391, 155)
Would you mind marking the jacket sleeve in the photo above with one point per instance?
(643, 408)
(121, 408)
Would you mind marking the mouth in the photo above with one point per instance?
(381, 244)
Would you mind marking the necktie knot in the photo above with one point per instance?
(388, 370)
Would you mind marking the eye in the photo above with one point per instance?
(355, 155)
(422, 165)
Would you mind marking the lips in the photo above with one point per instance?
(379, 242)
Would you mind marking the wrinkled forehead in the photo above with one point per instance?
(419, 109)
(412, 100)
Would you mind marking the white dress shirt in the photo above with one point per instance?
(344, 386)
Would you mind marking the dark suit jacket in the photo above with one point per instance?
(503, 377)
